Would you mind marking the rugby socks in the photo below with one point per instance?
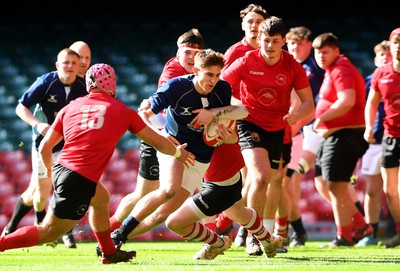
(376, 227)
(255, 226)
(223, 222)
(397, 227)
(202, 234)
(114, 224)
(23, 237)
(211, 226)
(128, 225)
(359, 207)
(39, 216)
(281, 226)
(346, 232)
(105, 242)
(359, 221)
(269, 224)
(20, 210)
(298, 226)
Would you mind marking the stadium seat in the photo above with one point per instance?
(3, 221)
(21, 181)
(115, 167)
(6, 190)
(10, 158)
(126, 181)
(27, 220)
(9, 202)
(110, 185)
(3, 178)
(132, 157)
(114, 202)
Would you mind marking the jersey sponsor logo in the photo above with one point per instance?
(52, 99)
(256, 73)
(386, 81)
(186, 111)
(203, 202)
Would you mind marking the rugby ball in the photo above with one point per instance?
(210, 135)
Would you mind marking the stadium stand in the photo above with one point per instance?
(138, 52)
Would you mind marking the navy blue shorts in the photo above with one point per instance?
(72, 193)
(149, 167)
(252, 136)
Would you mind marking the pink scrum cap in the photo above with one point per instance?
(101, 76)
(395, 33)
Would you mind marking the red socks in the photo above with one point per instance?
(23, 237)
(105, 242)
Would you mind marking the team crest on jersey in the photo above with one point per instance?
(52, 99)
(266, 96)
(281, 79)
(255, 137)
(395, 102)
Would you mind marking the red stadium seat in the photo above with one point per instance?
(11, 158)
(9, 202)
(125, 181)
(110, 185)
(22, 182)
(3, 221)
(6, 190)
(3, 177)
(114, 202)
(115, 167)
(28, 220)
(132, 157)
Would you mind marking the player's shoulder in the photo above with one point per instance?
(223, 84)
(48, 77)
(181, 81)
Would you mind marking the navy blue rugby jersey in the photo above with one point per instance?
(179, 97)
(49, 95)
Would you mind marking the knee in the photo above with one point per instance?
(160, 217)
(169, 192)
(101, 198)
(261, 184)
(170, 223)
(277, 180)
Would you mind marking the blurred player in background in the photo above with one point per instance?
(48, 94)
(371, 160)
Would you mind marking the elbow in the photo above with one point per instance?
(41, 147)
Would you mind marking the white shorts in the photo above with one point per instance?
(295, 153)
(192, 176)
(371, 160)
(38, 167)
(311, 139)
